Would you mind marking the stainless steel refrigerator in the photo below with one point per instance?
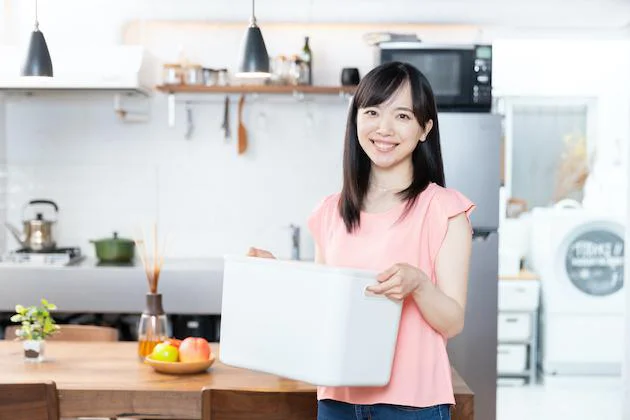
(470, 150)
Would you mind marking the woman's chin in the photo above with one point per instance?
(386, 161)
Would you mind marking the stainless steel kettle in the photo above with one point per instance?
(37, 234)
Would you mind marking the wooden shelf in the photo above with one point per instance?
(266, 89)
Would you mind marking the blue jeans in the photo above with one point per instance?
(337, 410)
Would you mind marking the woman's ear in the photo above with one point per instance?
(426, 130)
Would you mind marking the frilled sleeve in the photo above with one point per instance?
(446, 203)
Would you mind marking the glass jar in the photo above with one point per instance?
(210, 77)
(153, 326)
(193, 75)
(172, 74)
(222, 77)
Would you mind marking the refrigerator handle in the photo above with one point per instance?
(482, 234)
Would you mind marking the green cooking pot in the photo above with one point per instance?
(114, 249)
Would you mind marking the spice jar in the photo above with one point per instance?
(172, 74)
(222, 77)
(193, 75)
(210, 77)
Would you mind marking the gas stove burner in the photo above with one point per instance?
(70, 251)
(57, 257)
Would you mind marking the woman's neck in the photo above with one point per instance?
(393, 179)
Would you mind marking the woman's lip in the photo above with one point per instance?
(384, 141)
(383, 146)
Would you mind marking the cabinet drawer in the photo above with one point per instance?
(511, 358)
(518, 295)
(514, 327)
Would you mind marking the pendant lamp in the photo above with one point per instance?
(254, 58)
(38, 61)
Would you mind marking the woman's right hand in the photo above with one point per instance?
(260, 253)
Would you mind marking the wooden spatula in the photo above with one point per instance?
(242, 131)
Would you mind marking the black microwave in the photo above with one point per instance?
(460, 75)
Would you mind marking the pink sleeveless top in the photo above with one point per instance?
(421, 374)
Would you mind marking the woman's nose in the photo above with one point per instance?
(385, 126)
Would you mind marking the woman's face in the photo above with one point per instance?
(389, 132)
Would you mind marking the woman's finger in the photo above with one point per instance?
(383, 276)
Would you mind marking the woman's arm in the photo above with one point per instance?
(443, 305)
(319, 256)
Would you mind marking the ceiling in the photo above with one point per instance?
(603, 14)
(523, 14)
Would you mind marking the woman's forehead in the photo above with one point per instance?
(400, 97)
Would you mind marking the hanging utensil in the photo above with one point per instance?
(190, 125)
(226, 120)
(242, 131)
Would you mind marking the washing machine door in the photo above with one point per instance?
(588, 270)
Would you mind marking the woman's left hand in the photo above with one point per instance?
(400, 280)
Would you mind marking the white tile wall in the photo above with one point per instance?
(3, 175)
(107, 175)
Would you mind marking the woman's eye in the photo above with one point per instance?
(404, 116)
(370, 112)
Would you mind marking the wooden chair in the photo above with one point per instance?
(71, 332)
(29, 401)
(219, 404)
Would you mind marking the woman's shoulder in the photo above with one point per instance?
(449, 201)
(330, 201)
(445, 204)
(326, 207)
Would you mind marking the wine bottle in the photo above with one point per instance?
(307, 57)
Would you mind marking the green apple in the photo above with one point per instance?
(165, 352)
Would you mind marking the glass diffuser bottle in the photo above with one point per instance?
(153, 326)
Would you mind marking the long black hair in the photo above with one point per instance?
(375, 88)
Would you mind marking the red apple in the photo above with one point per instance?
(194, 349)
(173, 342)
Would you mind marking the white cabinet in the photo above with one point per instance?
(514, 326)
(517, 333)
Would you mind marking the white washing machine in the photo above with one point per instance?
(579, 256)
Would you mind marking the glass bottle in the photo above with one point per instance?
(153, 325)
(306, 57)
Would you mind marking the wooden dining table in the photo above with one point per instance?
(100, 379)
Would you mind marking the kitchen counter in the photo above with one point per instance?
(189, 286)
(522, 275)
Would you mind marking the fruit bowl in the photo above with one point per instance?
(179, 368)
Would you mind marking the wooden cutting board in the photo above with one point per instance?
(242, 131)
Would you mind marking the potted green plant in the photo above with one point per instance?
(36, 326)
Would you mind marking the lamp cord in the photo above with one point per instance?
(36, 17)
(252, 20)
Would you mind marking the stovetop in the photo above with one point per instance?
(54, 257)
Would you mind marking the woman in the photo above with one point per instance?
(395, 216)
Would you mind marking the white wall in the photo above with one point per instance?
(3, 176)
(625, 372)
(107, 175)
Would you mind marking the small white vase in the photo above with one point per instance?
(34, 350)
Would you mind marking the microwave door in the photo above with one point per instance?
(451, 71)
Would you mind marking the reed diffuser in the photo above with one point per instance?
(153, 325)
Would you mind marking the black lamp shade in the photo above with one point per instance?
(254, 56)
(38, 61)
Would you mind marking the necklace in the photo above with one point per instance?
(388, 189)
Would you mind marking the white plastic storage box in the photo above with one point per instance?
(307, 322)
